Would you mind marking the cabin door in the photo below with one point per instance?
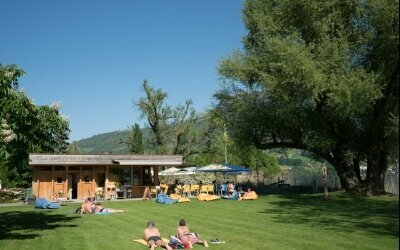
(45, 185)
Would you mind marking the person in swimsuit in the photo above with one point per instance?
(146, 194)
(188, 238)
(153, 237)
(247, 194)
(100, 209)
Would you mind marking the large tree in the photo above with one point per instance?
(25, 127)
(134, 140)
(320, 76)
(176, 130)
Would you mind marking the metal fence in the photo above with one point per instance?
(392, 182)
(316, 181)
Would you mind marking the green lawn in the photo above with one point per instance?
(271, 222)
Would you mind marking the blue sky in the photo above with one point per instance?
(93, 56)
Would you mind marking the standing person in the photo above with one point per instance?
(153, 237)
(187, 237)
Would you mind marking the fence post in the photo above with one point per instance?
(325, 180)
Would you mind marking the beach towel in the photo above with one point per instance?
(102, 213)
(43, 203)
(179, 198)
(164, 199)
(251, 196)
(143, 242)
(207, 197)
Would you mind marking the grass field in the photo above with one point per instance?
(271, 222)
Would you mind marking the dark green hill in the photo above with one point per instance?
(104, 143)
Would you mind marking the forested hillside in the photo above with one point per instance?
(103, 143)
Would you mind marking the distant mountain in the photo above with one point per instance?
(104, 143)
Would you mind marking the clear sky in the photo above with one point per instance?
(93, 56)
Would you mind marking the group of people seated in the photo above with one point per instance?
(153, 237)
(228, 192)
(90, 206)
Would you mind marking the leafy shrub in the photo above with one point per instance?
(10, 195)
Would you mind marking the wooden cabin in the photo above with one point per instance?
(105, 176)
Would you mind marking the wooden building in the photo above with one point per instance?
(108, 176)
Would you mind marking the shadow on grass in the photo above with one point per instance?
(18, 225)
(341, 212)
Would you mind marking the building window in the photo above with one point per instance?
(59, 180)
(87, 178)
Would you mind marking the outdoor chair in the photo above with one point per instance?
(112, 192)
(128, 192)
(99, 195)
(195, 189)
(210, 189)
(204, 189)
(154, 191)
(186, 190)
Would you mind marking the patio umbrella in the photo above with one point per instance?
(186, 171)
(223, 168)
(169, 171)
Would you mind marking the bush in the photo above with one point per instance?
(11, 195)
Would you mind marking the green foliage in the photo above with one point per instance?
(167, 124)
(134, 140)
(320, 76)
(25, 128)
(73, 148)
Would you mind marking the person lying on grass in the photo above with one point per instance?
(87, 206)
(188, 238)
(100, 209)
(247, 194)
(153, 237)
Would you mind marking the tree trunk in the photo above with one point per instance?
(376, 170)
(349, 181)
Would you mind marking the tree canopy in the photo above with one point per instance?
(320, 76)
(25, 127)
(173, 130)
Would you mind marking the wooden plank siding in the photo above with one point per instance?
(52, 174)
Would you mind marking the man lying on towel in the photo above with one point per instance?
(153, 237)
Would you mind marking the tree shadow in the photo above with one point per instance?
(21, 225)
(341, 212)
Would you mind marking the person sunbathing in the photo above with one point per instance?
(100, 209)
(153, 237)
(88, 206)
(231, 188)
(247, 194)
(188, 238)
(146, 194)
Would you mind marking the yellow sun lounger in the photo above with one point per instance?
(179, 198)
(207, 197)
(251, 196)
